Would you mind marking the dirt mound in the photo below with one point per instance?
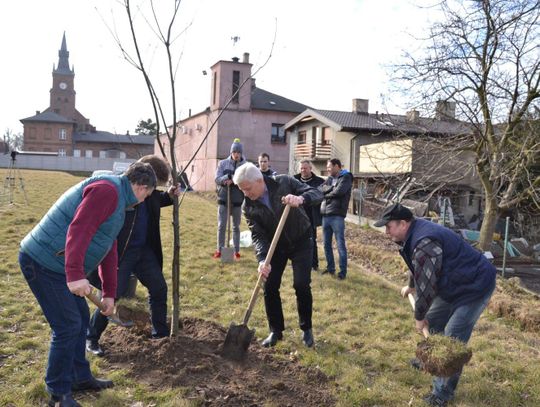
(191, 360)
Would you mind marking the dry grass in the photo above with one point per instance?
(364, 330)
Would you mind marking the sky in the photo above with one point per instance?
(319, 53)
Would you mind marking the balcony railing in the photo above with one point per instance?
(313, 151)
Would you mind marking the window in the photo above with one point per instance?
(76, 153)
(88, 153)
(61, 152)
(214, 92)
(278, 133)
(326, 136)
(302, 137)
(62, 134)
(235, 86)
(102, 154)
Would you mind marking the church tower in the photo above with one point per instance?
(63, 91)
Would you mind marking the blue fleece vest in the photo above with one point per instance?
(466, 273)
(46, 243)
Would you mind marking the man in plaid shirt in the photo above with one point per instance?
(453, 282)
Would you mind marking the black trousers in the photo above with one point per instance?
(301, 259)
(142, 262)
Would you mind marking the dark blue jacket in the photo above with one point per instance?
(466, 274)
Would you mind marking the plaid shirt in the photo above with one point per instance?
(427, 265)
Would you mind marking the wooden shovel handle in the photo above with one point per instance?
(412, 300)
(267, 261)
(95, 300)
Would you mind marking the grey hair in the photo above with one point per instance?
(141, 174)
(247, 172)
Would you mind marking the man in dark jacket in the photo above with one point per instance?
(226, 189)
(263, 205)
(77, 235)
(140, 254)
(453, 282)
(313, 212)
(337, 193)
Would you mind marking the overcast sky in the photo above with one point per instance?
(324, 55)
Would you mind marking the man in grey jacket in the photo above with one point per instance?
(224, 180)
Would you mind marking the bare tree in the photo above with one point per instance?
(485, 56)
(13, 141)
(161, 19)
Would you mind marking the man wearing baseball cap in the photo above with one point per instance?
(453, 282)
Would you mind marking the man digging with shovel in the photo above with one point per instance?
(264, 202)
(77, 235)
(453, 283)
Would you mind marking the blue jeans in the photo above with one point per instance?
(142, 262)
(335, 225)
(457, 323)
(68, 317)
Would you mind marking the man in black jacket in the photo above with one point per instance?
(140, 254)
(337, 193)
(313, 212)
(263, 205)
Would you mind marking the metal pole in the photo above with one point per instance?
(505, 245)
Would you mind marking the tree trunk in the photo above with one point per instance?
(488, 224)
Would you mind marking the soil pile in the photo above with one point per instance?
(191, 360)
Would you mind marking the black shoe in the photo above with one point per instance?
(92, 384)
(435, 401)
(93, 347)
(416, 363)
(341, 276)
(307, 338)
(272, 339)
(326, 271)
(65, 400)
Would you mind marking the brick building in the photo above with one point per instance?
(62, 129)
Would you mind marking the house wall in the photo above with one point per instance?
(132, 151)
(46, 137)
(253, 128)
(391, 157)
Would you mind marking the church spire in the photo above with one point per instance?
(63, 59)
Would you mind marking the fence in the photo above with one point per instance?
(78, 164)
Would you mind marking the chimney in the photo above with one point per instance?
(246, 58)
(360, 106)
(445, 110)
(253, 85)
(412, 116)
(37, 112)
(235, 59)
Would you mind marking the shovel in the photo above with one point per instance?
(239, 336)
(227, 251)
(114, 318)
(448, 359)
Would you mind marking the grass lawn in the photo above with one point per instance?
(363, 329)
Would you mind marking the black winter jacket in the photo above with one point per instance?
(263, 221)
(154, 202)
(336, 197)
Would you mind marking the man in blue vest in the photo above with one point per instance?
(77, 235)
(453, 282)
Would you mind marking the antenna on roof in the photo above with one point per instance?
(235, 39)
